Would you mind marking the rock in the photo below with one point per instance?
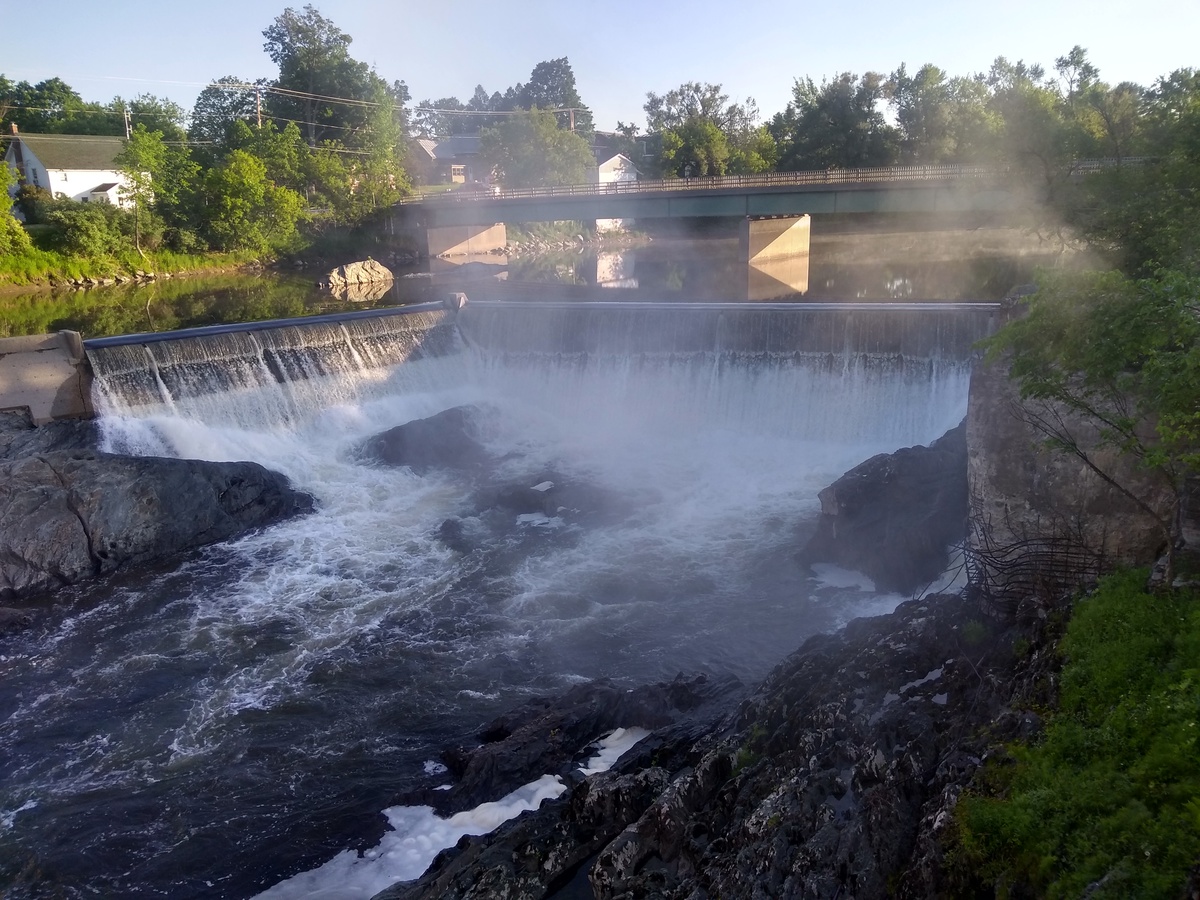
(837, 777)
(19, 437)
(68, 515)
(894, 516)
(356, 275)
(443, 441)
(535, 853)
(548, 735)
(13, 620)
(1041, 519)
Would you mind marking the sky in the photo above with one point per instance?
(619, 50)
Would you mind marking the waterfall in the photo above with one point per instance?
(267, 377)
(263, 696)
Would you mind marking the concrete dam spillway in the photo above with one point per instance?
(215, 728)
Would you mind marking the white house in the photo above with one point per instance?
(80, 167)
(612, 169)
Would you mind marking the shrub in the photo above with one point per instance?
(1106, 805)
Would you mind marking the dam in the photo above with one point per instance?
(217, 726)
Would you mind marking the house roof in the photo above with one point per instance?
(74, 151)
(427, 145)
(457, 145)
(103, 188)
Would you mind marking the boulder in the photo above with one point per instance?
(356, 274)
(444, 441)
(894, 516)
(68, 515)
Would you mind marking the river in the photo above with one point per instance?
(210, 727)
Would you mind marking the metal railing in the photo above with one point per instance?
(818, 177)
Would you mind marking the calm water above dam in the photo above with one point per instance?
(977, 265)
(244, 714)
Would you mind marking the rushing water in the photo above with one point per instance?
(233, 718)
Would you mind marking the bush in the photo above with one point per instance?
(14, 239)
(1108, 805)
(86, 229)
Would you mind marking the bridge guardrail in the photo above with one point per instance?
(831, 176)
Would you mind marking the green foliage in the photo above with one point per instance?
(249, 211)
(551, 86)
(1146, 215)
(1106, 806)
(85, 229)
(530, 150)
(700, 132)
(144, 155)
(1124, 353)
(838, 124)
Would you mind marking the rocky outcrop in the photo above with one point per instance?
(443, 441)
(68, 512)
(552, 734)
(366, 280)
(836, 778)
(894, 516)
(1042, 520)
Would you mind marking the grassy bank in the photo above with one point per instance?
(1107, 803)
(37, 266)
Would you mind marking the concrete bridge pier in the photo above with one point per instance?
(460, 240)
(776, 238)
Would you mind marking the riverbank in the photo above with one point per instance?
(47, 269)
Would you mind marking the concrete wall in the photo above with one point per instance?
(456, 240)
(764, 239)
(46, 374)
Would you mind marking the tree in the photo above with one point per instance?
(330, 94)
(838, 124)
(922, 104)
(530, 150)
(435, 118)
(36, 108)
(1123, 356)
(551, 85)
(14, 239)
(225, 101)
(246, 210)
(1146, 215)
(700, 132)
(144, 154)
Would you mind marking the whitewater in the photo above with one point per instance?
(247, 714)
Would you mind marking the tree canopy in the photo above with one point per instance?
(530, 150)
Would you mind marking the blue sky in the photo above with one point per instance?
(619, 50)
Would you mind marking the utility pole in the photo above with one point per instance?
(258, 104)
(128, 129)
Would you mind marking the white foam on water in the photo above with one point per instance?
(833, 576)
(714, 464)
(419, 834)
(612, 748)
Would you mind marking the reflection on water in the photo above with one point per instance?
(965, 265)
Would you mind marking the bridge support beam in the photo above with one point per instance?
(459, 240)
(780, 238)
(46, 374)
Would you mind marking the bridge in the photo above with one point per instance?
(949, 188)
(470, 220)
